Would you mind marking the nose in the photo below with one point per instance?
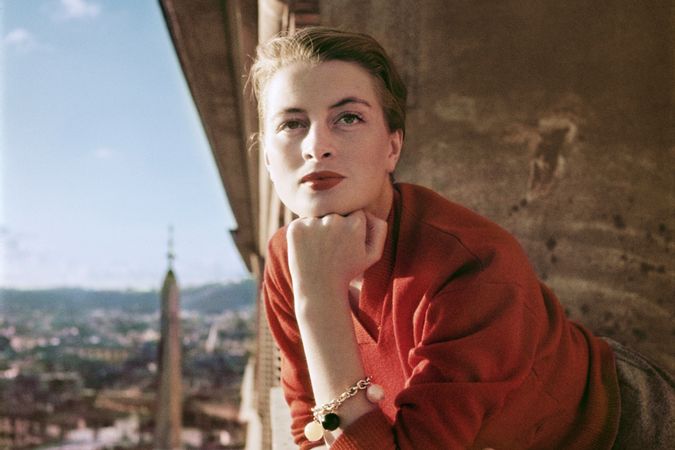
(317, 144)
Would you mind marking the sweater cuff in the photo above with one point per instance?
(372, 430)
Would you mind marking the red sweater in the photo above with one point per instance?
(471, 349)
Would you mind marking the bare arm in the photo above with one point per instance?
(324, 256)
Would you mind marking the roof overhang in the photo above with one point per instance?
(214, 41)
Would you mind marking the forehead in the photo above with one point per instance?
(304, 86)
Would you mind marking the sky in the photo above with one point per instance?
(101, 150)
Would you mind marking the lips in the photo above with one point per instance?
(323, 180)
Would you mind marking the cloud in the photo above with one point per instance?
(104, 153)
(79, 9)
(13, 252)
(21, 39)
(14, 246)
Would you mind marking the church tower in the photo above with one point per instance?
(168, 416)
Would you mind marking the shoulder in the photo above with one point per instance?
(447, 235)
(439, 215)
(276, 260)
(277, 244)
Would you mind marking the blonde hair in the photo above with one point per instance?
(314, 45)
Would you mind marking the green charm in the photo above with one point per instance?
(330, 422)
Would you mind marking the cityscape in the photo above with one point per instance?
(79, 368)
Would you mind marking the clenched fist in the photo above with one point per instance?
(325, 254)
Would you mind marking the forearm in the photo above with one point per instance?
(324, 255)
(333, 357)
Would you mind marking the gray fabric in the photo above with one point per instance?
(647, 403)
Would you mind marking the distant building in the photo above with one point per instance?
(168, 416)
(113, 355)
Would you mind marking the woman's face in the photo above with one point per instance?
(327, 145)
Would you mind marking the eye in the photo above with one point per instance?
(349, 119)
(292, 124)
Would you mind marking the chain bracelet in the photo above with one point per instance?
(334, 404)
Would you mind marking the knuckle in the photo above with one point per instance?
(297, 227)
(292, 232)
(357, 220)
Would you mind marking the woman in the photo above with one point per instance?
(404, 320)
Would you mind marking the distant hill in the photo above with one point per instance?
(208, 299)
(215, 298)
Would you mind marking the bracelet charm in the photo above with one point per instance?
(313, 431)
(325, 417)
(330, 422)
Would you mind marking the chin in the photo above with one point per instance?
(319, 205)
(324, 210)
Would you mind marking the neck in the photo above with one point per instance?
(382, 205)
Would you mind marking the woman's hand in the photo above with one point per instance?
(326, 253)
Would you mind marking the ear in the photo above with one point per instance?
(395, 146)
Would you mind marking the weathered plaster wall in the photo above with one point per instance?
(554, 119)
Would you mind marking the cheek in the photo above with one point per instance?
(271, 162)
(279, 165)
(273, 167)
(378, 154)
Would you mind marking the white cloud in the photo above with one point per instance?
(20, 38)
(79, 9)
(14, 247)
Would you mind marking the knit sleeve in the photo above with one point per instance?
(473, 347)
(278, 300)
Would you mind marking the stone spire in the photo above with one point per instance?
(168, 418)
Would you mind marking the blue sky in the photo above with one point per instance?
(102, 149)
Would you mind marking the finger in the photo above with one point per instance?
(293, 230)
(357, 223)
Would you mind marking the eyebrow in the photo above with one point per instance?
(348, 100)
(344, 101)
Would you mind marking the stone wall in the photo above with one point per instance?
(554, 119)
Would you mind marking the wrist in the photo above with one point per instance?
(314, 292)
(320, 306)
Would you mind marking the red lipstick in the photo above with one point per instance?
(322, 181)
